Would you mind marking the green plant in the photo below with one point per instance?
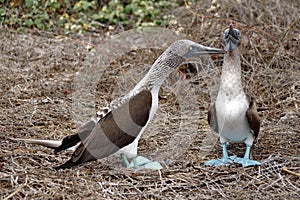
(143, 13)
(78, 16)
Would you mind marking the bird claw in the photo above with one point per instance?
(246, 162)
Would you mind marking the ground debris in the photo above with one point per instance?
(37, 76)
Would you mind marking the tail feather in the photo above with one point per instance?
(76, 138)
(66, 165)
(81, 155)
(71, 142)
(53, 144)
(46, 143)
(68, 142)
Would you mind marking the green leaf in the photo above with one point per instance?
(128, 9)
(2, 12)
(29, 3)
(39, 24)
(55, 6)
(115, 21)
(61, 22)
(86, 5)
(28, 23)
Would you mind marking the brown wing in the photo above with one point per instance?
(212, 118)
(252, 116)
(116, 130)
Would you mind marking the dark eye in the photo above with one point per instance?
(237, 32)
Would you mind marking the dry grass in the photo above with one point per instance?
(37, 76)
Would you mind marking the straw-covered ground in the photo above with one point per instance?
(39, 85)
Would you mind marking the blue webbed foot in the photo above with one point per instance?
(223, 161)
(141, 162)
(220, 162)
(246, 162)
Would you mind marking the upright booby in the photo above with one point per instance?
(120, 127)
(233, 115)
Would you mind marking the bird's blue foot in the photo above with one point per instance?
(223, 161)
(246, 162)
(141, 162)
(219, 162)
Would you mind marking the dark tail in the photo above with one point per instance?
(66, 165)
(74, 139)
(81, 155)
(68, 142)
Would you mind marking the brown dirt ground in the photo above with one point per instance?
(37, 72)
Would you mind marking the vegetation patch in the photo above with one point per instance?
(79, 16)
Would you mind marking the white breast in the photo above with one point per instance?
(231, 116)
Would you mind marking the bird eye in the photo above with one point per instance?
(191, 48)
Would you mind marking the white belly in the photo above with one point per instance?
(130, 150)
(232, 121)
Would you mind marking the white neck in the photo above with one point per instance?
(231, 81)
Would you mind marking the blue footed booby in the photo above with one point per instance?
(233, 115)
(119, 128)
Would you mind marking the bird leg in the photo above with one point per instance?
(225, 160)
(246, 160)
(125, 160)
(140, 162)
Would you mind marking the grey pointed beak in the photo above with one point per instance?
(231, 34)
(211, 50)
(198, 50)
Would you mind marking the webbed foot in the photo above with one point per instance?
(225, 160)
(246, 162)
(220, 162)
(141, 162)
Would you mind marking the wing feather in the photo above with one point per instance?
(117, 129)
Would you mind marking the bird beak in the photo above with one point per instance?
(232, 39)
(210, 50)
(231, 32)
(199, 50)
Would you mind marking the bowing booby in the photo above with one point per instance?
(233, 115)
(119, 128)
